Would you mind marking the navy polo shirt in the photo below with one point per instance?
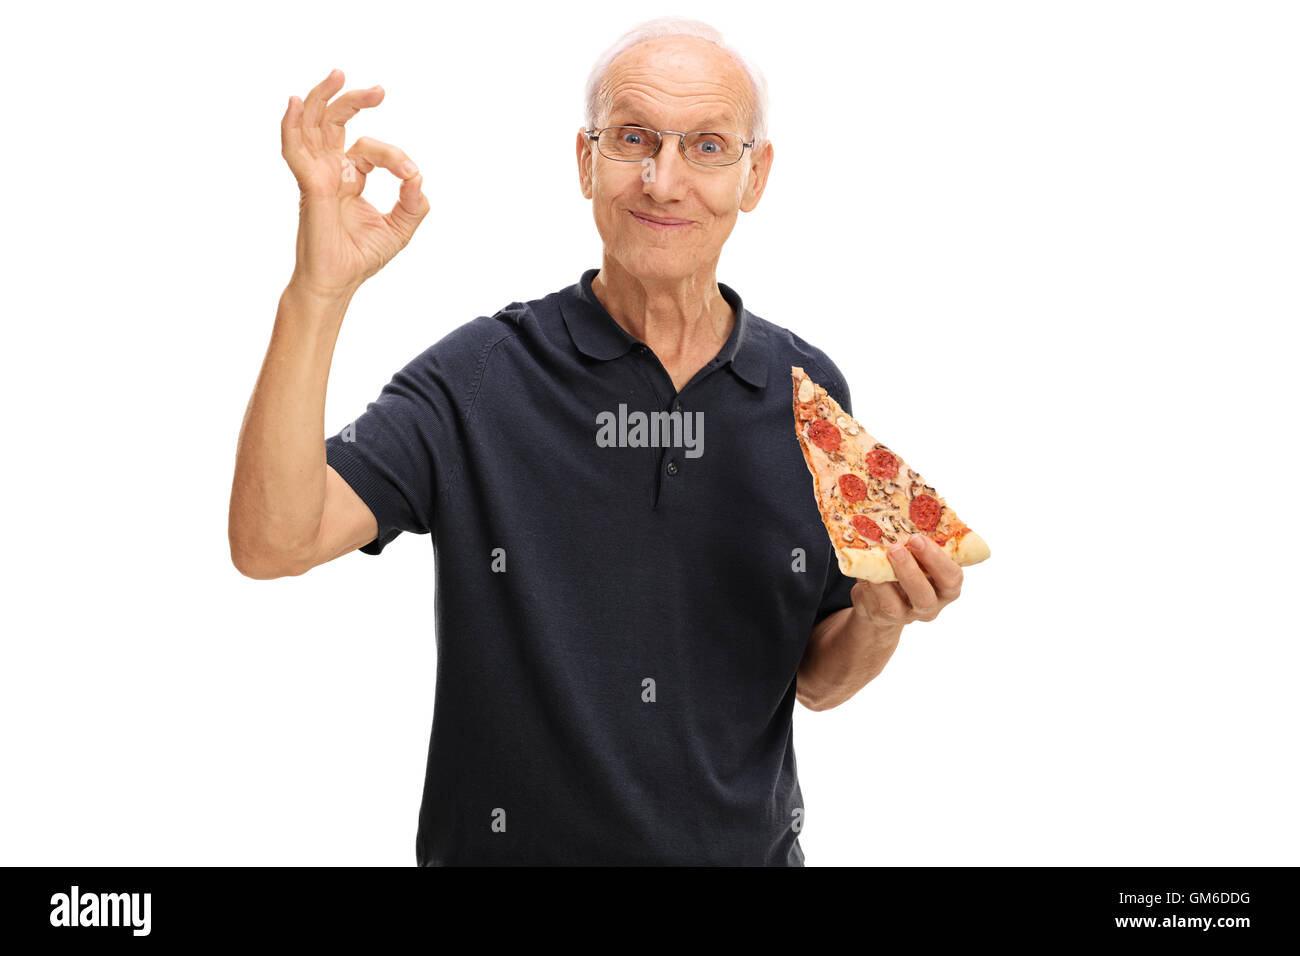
(626, 577)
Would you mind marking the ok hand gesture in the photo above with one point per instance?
(342, 239)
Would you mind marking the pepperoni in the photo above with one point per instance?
(852, 488)
(882, 464)
(825, 435)
(866, 527)
(924, 512)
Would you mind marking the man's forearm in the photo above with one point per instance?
(845, 652)
(278, 494)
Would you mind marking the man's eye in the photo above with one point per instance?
(632, 139)
(708, 146)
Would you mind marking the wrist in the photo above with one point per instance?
(872, 631)
(307, 291)
(304, 307)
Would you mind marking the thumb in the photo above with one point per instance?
(411, 207)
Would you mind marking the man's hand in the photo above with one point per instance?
(847, 649)
(342, 239)
(928, 581)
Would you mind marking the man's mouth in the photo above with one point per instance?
(662, 223)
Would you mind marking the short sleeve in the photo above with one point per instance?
(395, 453)
(405, 450)
(837, 593)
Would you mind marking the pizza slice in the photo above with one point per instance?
(868, 496)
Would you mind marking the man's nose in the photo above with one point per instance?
(668, 169)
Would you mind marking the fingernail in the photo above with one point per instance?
(896, 551)
(917, 543)
(408, 168)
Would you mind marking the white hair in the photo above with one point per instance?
(678, 26)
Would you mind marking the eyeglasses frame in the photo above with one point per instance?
(594, 136)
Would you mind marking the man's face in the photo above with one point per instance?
(682, 83)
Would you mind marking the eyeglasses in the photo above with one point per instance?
(634, 144)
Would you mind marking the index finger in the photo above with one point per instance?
(368, 153)
(938, 564)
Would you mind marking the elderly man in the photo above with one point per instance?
(633, 585)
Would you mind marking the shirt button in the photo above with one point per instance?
(677, 406)
(672, 466)
(642, 349)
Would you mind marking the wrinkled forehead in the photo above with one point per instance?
(677, 82)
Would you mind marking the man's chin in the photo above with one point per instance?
(659, 264)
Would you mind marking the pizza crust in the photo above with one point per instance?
(873, 564)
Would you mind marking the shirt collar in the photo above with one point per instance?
(596, 334)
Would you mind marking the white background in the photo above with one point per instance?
(1053, 247)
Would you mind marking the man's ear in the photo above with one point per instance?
(760, 167)
(584, 163)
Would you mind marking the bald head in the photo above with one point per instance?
(691, 52)
(677, 76)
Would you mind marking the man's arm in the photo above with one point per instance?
(289, 510)
(847, 649)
